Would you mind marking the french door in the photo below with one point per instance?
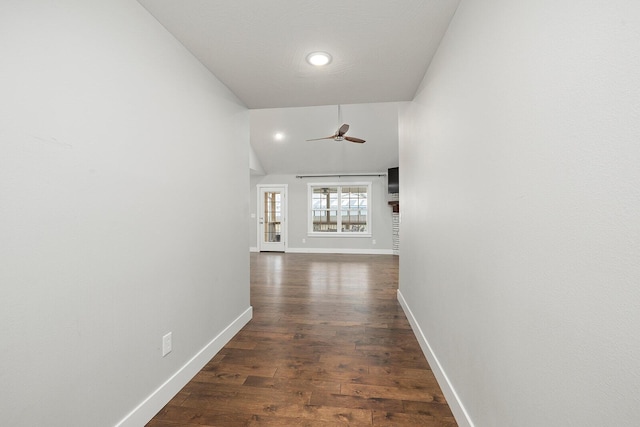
(272, 218)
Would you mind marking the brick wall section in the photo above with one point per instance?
(395, 223)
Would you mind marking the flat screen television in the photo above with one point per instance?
(393, 180)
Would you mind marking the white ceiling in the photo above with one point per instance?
(377, 123)
(381, 48)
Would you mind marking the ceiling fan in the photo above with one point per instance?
(340, 133)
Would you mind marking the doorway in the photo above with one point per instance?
(272, 218)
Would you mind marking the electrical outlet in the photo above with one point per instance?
(373, 241)
(166, 344)
(304, 240)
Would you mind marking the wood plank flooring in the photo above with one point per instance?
(328, 345)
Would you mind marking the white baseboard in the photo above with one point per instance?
(340, 251)
(459, 412)
(253, 249)
(146, 410)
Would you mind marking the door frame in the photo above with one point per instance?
(284, 223)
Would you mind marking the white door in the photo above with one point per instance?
(272, 220)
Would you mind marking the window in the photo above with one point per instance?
(339, 209)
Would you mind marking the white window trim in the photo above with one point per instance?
(339, 232)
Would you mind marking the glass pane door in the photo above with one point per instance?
(272, 225)
(272, 216)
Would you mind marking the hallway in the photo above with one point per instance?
(328, 345)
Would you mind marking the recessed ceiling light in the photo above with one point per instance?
(318, 58)
(278, 136)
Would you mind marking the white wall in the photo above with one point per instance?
(381, 227)
(123, 177)
(520, 185)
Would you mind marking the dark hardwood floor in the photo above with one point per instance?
(328, 345)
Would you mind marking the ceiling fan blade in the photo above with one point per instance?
(318, 139)
(352, 139)
(343, 129)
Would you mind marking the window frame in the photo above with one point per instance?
(338, 233)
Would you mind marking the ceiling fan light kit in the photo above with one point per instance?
(340, 134)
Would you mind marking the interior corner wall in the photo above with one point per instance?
(381, 230)
(254, 163)
(123, 182)
(520, 212)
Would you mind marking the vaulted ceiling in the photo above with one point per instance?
(377, 123)
(380, 51)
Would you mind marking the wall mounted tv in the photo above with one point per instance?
(393, 180)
